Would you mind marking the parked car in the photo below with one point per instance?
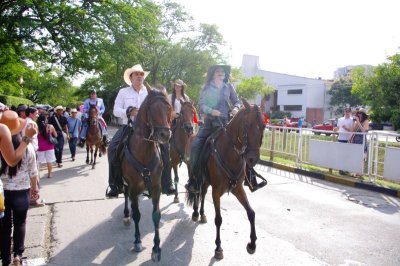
(327, 125)
(379, 126)
(291, 125)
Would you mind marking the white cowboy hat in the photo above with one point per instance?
(135, 68)
(12, 121)
(59, 107)
(73, 110)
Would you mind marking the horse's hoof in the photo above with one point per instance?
(156, 256)
(87, 162)
(127, 221)
(137, 247)
(195, 217)
(250, 250)
(176, 200)
(203, 219)
(219, 254)
(92, 167)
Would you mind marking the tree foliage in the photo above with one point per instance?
(342, 95)
(45, 44)
(250, 87)
(380, 90)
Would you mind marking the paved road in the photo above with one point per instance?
(299, 221)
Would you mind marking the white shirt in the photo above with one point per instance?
(343, 133)
(35, 141)
(128, 97)
(27, 170)
(177, 104)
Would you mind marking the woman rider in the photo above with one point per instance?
(214, 101)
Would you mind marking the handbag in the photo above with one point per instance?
(63, 133)
(52, 139)
(70, 134)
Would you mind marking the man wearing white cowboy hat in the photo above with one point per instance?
(60, 123)
(93, 100)
(126, 106)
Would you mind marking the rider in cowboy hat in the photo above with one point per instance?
(93, 100)
(126, 106)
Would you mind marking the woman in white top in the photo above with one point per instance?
(18, 182)
(178, 94)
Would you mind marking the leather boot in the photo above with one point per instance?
(113, 192)
(105, 140)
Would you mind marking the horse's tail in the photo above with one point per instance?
(191, 198)
(103, 148)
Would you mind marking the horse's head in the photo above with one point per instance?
(250, 130)
(93, 114)
(186, 116)
(155, 112)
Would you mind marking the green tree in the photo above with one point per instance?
(342, 95)
(249, 88)
(380, 90)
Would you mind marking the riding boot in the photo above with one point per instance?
(193, 185)
(166, 179)
(81, 143)
(252, 178)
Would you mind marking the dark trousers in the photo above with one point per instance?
(114, 165)
(59, 147)
(72, 146)
(17, 204)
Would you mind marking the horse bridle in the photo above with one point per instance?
(244, 142)
(150, 123)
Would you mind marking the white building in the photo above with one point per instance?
(303, 97)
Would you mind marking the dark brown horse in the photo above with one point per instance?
(141, 164)
(181, 132)
(94, 139)
(230, 149)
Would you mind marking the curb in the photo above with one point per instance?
(347, 181)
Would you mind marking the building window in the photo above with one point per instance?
(292, 107)
(299, 91)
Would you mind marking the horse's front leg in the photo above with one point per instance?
(176, 181)
(137, 244)
(156, 251)
(203, 217)
(95, 156)
(242, 197)
(219, 252)
(87, 153)
(91, 154)
(127, 219)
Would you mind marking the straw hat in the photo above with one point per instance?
(12, 121)
(180, 82)
(59, 107)
(362, 110)
(135, 68)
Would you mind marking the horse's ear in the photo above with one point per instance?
(148, 87)
(256, 108)
(245, 103)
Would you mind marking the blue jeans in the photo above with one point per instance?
(85, 128)
(72, 146)
(58, 149)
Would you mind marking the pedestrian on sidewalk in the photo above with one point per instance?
(344, 127)
(74, 127)
(60, 123)
(46, 148)
(19, 182)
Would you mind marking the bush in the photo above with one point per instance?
(13, 100)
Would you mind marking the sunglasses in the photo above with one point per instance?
(141, 74)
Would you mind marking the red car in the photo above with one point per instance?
(328, 125)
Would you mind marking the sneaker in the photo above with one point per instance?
(73, 158)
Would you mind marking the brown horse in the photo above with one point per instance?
(94, 137)
(229, 150)
(141, 163)
(181, 132)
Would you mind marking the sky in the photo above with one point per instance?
(308, 38)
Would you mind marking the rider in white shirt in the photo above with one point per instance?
(126, 107)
